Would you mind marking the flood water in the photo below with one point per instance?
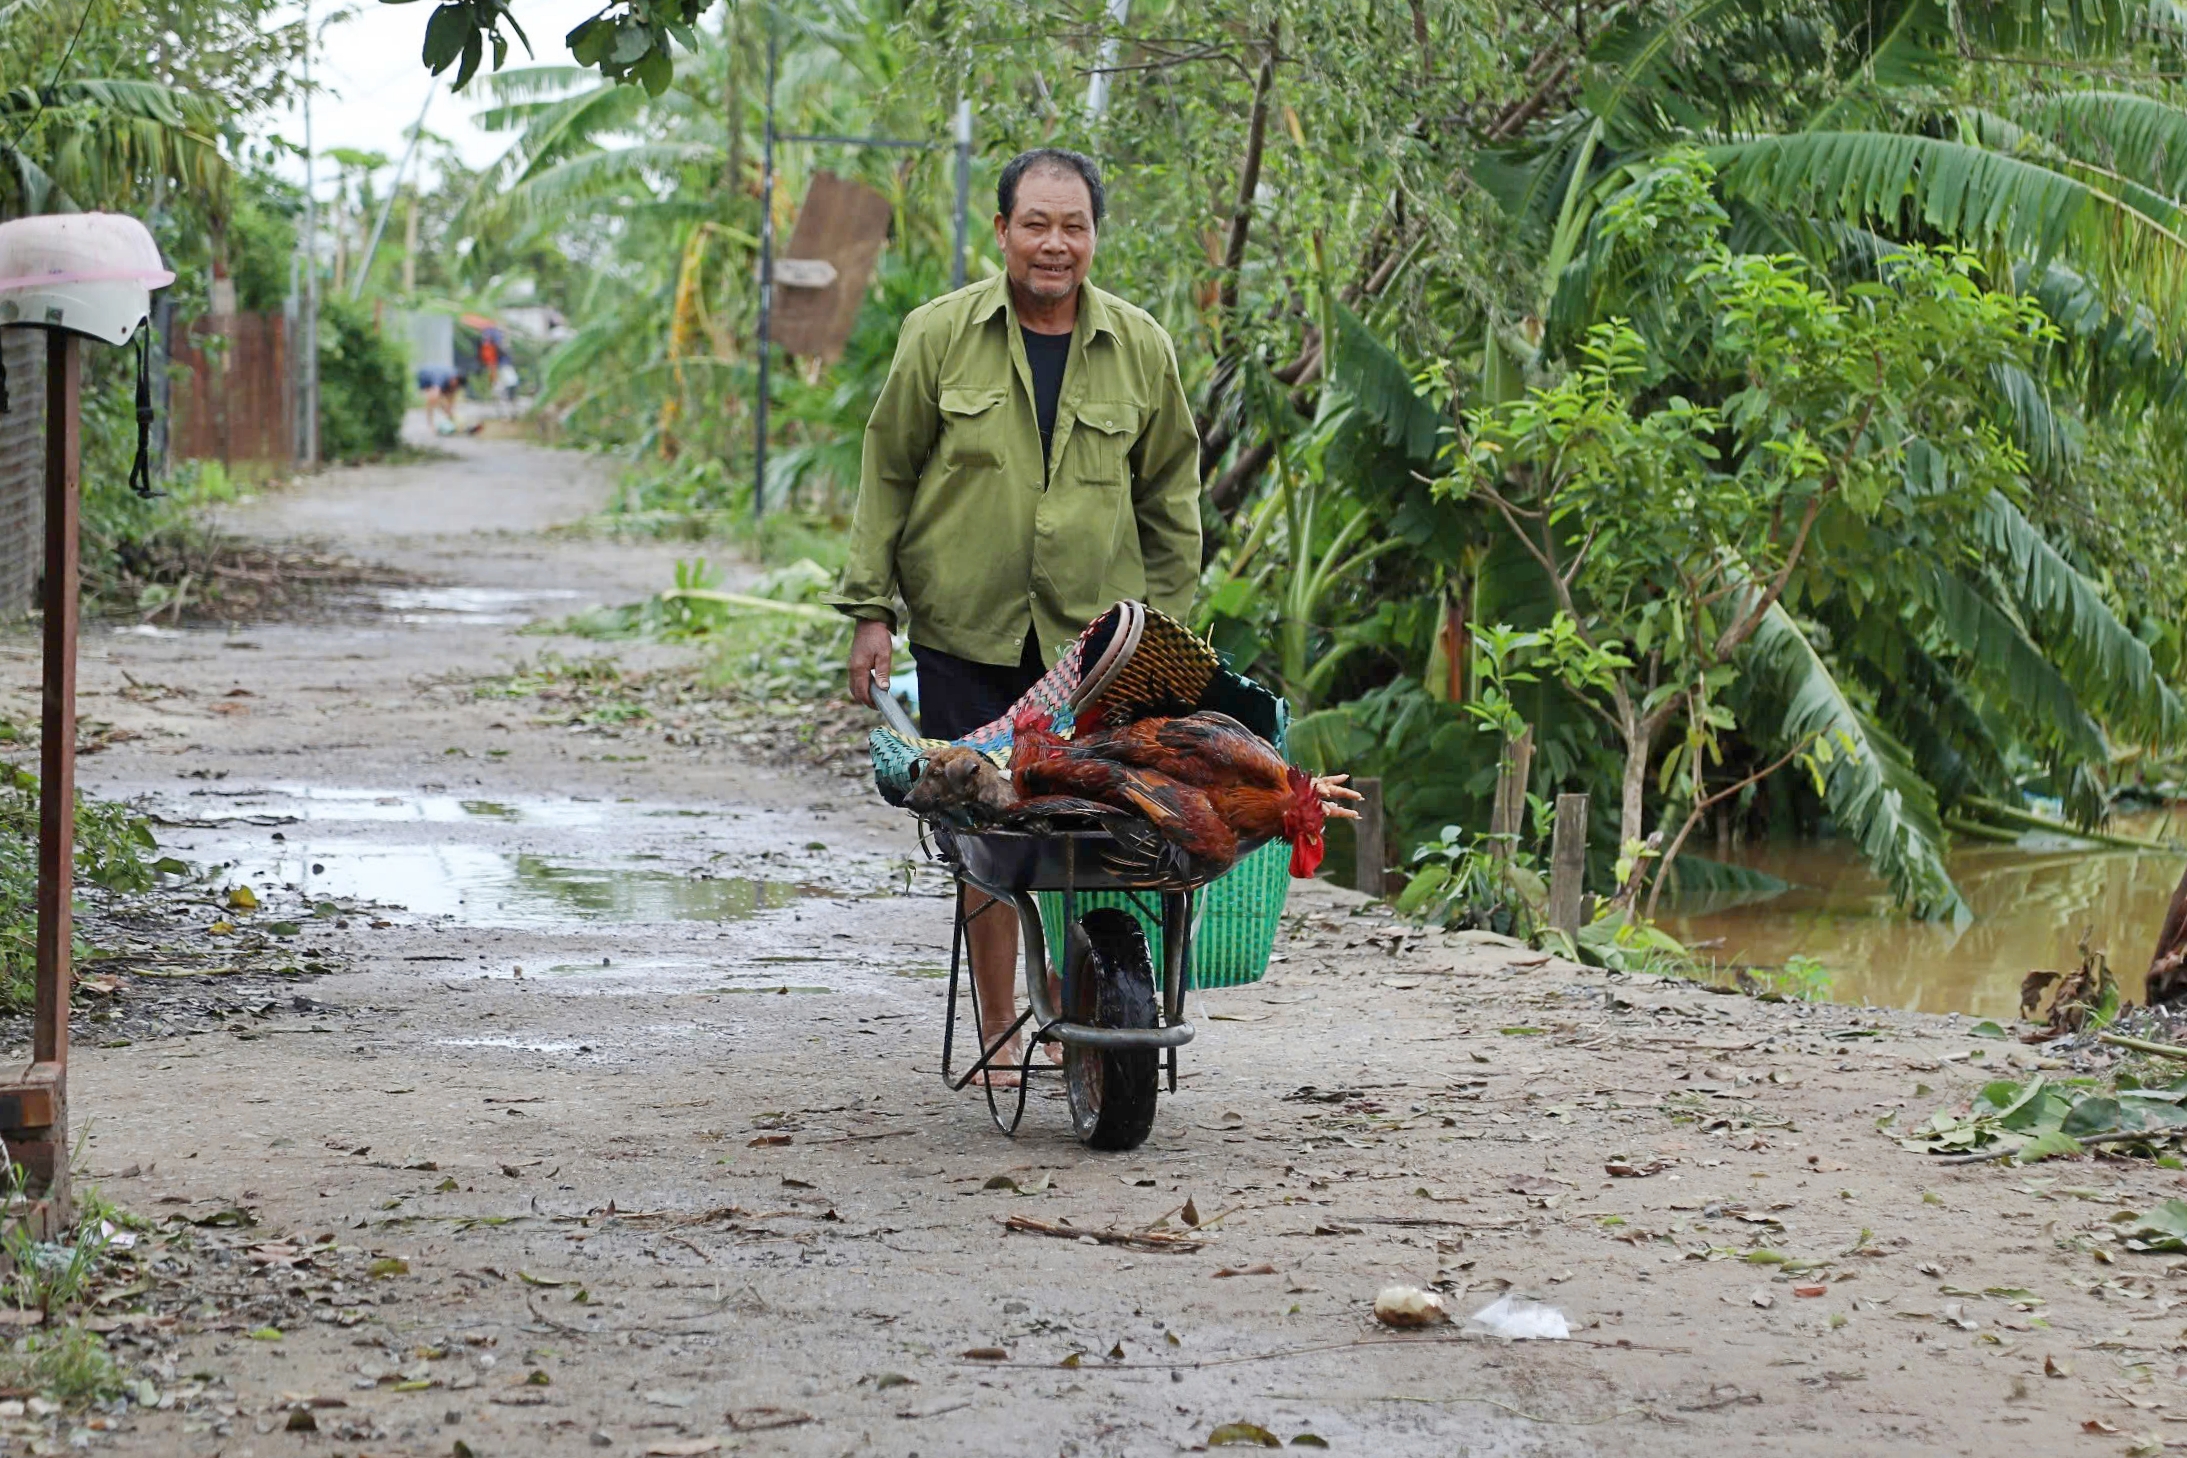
(2033, 902)
(535, 863)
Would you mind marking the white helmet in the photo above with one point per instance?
(89, 273)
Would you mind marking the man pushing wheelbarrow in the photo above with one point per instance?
(1030, 478)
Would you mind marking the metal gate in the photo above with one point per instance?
(233, 398)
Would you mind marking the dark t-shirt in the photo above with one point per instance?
(1047, 354)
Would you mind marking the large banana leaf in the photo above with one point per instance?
(1379, 384)
(2000, 657)
(2138, 137)
(1973, 196)
(2110, 668)
(1870, 785)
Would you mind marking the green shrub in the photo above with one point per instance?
(114, 849)
(363, 383)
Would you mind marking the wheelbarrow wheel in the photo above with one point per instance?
(1112, 1091)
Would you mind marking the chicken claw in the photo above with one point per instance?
(1331, 789)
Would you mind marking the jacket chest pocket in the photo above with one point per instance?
(972, 427)
(1101, 444)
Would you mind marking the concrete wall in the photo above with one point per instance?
(22, 470)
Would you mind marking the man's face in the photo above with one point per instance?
(1048, 241)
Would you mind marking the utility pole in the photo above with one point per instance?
(766, 284)
(964, 191)
(310, 440)
(402, 170)
(1097, 86)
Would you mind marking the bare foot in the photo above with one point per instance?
(1002, 1069)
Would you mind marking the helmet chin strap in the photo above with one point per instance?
(140, 470)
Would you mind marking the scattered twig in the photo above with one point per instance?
(1317, 1348)
(1520, 1412)
(1134, 1239)
(562, 1326)
(2093, 1141)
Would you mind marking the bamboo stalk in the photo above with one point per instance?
(2032, 821)
(2142, 1045)
(1976, 830)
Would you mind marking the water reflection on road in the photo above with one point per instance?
(2032, 903)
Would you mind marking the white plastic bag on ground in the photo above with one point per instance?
(1520, 1321)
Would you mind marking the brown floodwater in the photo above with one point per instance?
(2033, 902)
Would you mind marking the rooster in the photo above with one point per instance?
(1245, 783)
(1183, 815)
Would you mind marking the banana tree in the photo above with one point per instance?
(1673, 528)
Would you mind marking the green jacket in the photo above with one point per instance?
(954, 513)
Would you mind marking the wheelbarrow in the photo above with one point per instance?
(1118, 1022)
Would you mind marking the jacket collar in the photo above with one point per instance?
(1093, 306)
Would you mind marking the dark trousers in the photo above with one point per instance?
(957, 696)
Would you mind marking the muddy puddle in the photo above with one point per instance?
(312, 803)
(470, 606)
(2032, 901)
(477, 886)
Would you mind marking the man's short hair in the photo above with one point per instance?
(1050, 159)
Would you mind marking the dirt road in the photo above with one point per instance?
(620, 1131)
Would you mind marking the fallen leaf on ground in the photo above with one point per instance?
(2097, 1425)
(683, 1448)
(765, 1140)
(1260, 1269)
(1243, 1435)
(1625, 1169)
(986, 1354)
(1809, 1290)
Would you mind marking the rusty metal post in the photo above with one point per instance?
(34, 1111)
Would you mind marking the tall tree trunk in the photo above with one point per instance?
(1639, 735)
(1241, 229)
(2168, 967)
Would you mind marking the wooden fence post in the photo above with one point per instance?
(1508, 815)
(1367, 872)
(1568, 863)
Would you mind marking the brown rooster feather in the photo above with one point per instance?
(1247, 784)
(1184, 815)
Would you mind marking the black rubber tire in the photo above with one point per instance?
(1113, 1091)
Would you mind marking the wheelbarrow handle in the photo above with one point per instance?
(892, 713)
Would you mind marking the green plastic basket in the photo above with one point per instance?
(1239, 912)
(1238, 917)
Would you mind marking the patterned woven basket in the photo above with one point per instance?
(1138, 661)
(1130, 663)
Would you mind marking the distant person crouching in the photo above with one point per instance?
(439, 386)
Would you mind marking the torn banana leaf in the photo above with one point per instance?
(2041, 1119)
